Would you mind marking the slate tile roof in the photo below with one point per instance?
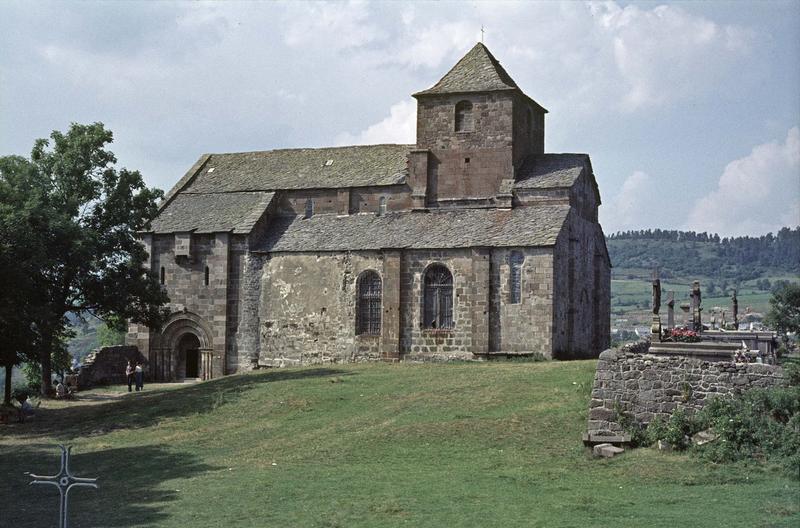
(545, 171)
(477, 71)
(354, 166)
(461, 228)
(212, 213)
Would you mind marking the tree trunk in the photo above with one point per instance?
(7, 395)
(47, 365)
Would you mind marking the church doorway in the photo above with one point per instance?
(192, 362)
(188, 357)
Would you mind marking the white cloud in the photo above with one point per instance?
(400, 126)
(756, 194)
(339, 25)
(434, 44)
(665, 53)
(635, 206)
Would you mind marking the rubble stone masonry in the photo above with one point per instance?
(646, 385)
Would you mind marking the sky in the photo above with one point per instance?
(690, 111)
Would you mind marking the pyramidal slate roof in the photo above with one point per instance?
(459, 228)
(303, 168)
(212, 213)
(547, 171)
(477, 71)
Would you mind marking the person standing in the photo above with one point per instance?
(129, 374)
(139, 372)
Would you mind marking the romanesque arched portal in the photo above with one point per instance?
(183, 349)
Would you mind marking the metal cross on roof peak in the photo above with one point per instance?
(481, 33)
(64, 481)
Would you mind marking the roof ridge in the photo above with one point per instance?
(298, 149)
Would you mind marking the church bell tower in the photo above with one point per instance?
(474, 127)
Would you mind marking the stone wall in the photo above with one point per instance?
(582, 291)
(646, 385)
(106, 365)
(492, 115)
(323, 200)
(456, 175)
(465, 164)
(524, 327)
(528, 129)
(308, 308)
(470, 291)
(245, 338)
(368, 199)
(190, 297)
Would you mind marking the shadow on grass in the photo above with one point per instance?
(147, 408)
(137, 474)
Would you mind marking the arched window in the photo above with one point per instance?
(438, 312)
(309, 208)
(368, 304)
(464, 121)
(163, 275)
(205, 280)
(515, 261)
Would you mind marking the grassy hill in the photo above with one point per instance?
(378, 445)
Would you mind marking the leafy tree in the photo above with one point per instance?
(88, 256)
(107, 336)
(22, 298)
(784, 314)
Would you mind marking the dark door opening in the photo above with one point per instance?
(192, 363)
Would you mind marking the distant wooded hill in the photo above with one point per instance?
(690, 254)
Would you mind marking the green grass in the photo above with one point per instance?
(477, 445)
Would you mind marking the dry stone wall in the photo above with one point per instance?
(106, 365)
(645, 385)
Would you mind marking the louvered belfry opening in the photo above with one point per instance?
(369, 304)
(438, 298)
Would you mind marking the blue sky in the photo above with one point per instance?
(690, 111)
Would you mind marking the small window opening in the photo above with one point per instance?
(466, 160)
(464, 122)
(163, 275)
(205, 280)
(309, 208)
(515, 261)
(382, 206)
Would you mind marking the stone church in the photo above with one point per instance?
(471, 243)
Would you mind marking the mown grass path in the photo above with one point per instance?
(473, 445)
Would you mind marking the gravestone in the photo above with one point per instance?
(671, 310)
(697, 320)
(655, 327)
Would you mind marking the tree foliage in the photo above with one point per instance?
(87, 257)
(22, 297)
(784, 314)
(687, 253)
